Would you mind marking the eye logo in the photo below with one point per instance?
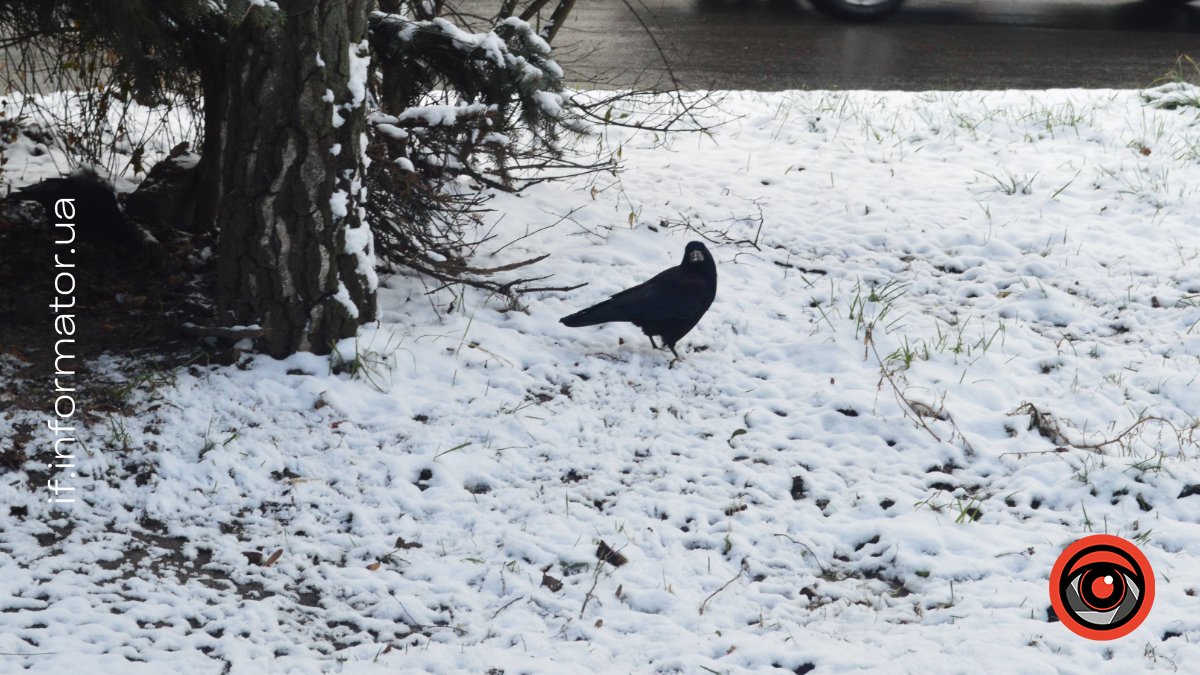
(1102, 587)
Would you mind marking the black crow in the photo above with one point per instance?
(97, 213)
(669, 305)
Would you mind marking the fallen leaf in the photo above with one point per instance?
(555, 585)
(274, 557)
(1145, 151)
(373, 566)
(605, 553)
(599, 623)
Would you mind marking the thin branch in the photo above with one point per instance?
(595, 581)
(540, 229)
(231, 333)
(488, 271)
(900, 398)
(814, 553)
(510, 603)
(548, 289)
(714, 593)
(1047, 424)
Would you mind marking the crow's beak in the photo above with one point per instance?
(696, 256)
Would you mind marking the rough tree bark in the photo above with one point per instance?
(294, 255)
(213, 82)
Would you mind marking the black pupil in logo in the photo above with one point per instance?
(1105, 594)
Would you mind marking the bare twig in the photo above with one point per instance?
(900, 398)
(591, 591)
(814, 553)
(661, 54)
(488, 271)
(714, 593)
(231, 333)
(1049, 427)
(548, 289)
(540, 229)
(506, 606)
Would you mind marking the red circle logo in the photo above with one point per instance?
(1102, 587)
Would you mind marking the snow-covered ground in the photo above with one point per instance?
(781, 507)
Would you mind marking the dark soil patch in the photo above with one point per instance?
(125, 304)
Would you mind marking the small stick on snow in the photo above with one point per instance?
(739, 575)
(814, 553)
(910, 406)
(595, 581)
(510, 604)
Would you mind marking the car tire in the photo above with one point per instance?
(857, 10)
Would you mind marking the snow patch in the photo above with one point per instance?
(360, 242)
(338, 203)
(360, 61)
(343, 297)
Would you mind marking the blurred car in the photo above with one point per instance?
(867, 10)
(857, 10)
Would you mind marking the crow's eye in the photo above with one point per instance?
(1102, 587)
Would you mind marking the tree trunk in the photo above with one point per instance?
(213, 82)
(294, 255)
(557, 19)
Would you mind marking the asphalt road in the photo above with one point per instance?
(929, 44)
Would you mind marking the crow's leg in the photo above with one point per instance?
(677, 357)
(652, 343)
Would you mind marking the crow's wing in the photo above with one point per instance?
(671, 295)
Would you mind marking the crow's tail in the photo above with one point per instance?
(596, 314)
(29, 193)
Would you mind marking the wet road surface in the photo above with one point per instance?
(928, 44)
